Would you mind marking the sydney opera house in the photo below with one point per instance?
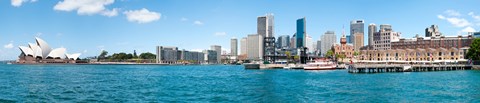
(42, 53)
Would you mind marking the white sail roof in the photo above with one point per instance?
(57, 53)
(44, 46)
(73, 56)
(26, 50)
(37, 51)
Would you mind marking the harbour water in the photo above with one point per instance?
(152, 83)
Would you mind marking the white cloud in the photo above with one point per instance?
(197, 22)
(441, 16)
(457, 22)
(476, 17)
(183, 19)
(85, 51)
(18, 3)
(142, 16)
(110, 13)
(468, 29)
(8, 46)
(452, 13)
(220, 33)
(83, 7)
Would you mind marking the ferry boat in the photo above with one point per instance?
(323, 64)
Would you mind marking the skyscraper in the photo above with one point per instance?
(349, 38)
(254, 47)
(283, 42)
(309, 44)
(328, 39)
(243, 46)
(301, 35)
(356, 26)
(218, 49)
(319, 46)
(372, 28)
(358, 42)
(234, 47)
(265, 25)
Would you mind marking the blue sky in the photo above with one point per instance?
(89, 26)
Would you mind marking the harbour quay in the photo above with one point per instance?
(407, 67)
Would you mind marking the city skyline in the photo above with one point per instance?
(94, 25)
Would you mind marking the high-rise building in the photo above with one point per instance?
(243, 46)
(358, 42)
(372, 28)
(265, 27)
(319, 47)
(283, 42)
(293, 41)
(309, 44)
(356, 26)
(349, 39)
(254, 47)
(328, 39)
(218, 49)
(383, 38)
(301, 32)
(233, 47)
(432, 31)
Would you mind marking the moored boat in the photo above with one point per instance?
(320, 65)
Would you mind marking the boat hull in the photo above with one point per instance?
(319, 68)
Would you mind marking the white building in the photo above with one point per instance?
(328, 40)
(243, 46)
(309, 44)
(42, 53)
(255, 47)
(234, 47)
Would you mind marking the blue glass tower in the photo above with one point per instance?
(300, 37)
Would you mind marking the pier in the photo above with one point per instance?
(382, 68)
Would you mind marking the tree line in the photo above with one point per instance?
(125, 56)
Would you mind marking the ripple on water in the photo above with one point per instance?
(115, 83)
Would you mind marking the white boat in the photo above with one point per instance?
(292, 66)
(320, 65)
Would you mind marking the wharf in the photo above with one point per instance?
(382, 68)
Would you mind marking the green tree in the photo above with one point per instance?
(135, 54)
(296, 58)
(341, 56)
(329, 53)
(474, 51)
(356, 53)
(288, 56)
(103, 55)
(147, 55)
